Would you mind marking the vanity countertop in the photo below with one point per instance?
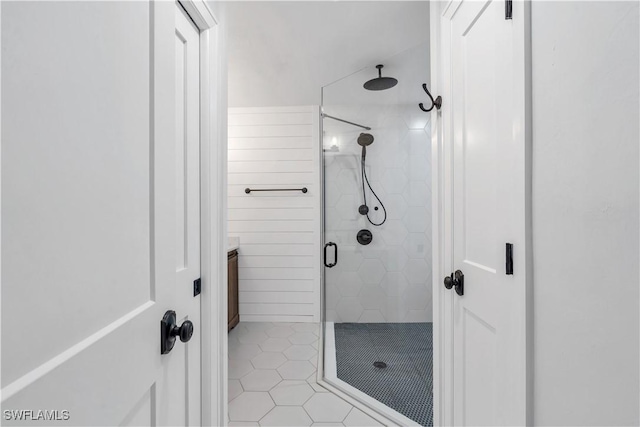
(234, 244)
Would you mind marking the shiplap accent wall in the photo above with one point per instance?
(279, 232)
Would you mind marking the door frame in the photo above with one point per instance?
(442, 203)
(213, 217)
(442, 343)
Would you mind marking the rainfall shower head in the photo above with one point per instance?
(380, 83)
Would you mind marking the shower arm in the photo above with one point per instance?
(345, 121)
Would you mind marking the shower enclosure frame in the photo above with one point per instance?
(358, 399)
(372, 407)
(441, 396)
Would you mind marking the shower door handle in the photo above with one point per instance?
(335, 259)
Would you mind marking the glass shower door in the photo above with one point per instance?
(377, 291)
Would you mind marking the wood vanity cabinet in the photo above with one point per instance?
(234, 312)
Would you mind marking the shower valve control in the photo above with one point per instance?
(455, 280)
(364, 237)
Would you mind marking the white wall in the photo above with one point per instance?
(279, 232)
(585, 213)
(282, 53)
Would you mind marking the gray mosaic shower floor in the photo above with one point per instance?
(406, 384)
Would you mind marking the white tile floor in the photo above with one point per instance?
(272, 379)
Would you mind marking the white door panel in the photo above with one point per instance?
(187, 145)
(181, 378)
(88, 214)
(68, 216)
(488, 186)
(187, 153)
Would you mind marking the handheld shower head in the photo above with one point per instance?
(364, 140)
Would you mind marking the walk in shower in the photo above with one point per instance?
(377, 309)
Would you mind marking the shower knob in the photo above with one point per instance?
(363, 209)
(364, 237)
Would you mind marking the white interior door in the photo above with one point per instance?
(184, 360)
(485, 66)
(89, 216)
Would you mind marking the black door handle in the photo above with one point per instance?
(169, 330)
(335, 261)
(448, 281)
(455, 280)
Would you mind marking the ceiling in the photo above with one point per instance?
(282, 53)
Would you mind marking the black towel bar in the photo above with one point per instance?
(249, 190)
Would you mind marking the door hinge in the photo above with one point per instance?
(509, 259)
(197, 287)
(508, 9)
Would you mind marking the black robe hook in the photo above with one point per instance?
(434, 102)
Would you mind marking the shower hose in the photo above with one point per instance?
(364, 194)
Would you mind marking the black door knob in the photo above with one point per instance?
(169, 330)
(448, 282)
(184, 331)
(456, 279)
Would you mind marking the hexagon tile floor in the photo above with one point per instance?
(272, 379)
